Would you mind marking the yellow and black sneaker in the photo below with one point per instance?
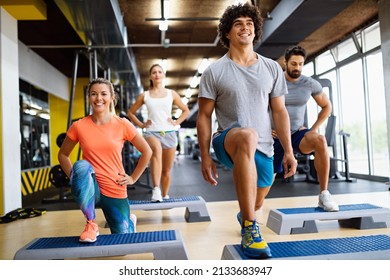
(252, 244)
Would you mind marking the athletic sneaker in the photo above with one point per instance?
(326, 202)
(90, 232)
(239, 218)
(133, 218)
(156, 195)
(166, 197)
(252, 244)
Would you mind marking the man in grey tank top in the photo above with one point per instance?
(304, 140)
(242, 87)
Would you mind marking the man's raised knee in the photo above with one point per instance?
(247, 136)
(321, 143)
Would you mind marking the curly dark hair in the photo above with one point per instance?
(235, 11)
(294, 50)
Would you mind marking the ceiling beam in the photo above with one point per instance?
(279, 15)
(25, 9)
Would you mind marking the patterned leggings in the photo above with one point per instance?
(86, 192)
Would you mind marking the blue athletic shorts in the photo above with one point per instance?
(264, 164)
(296, 139)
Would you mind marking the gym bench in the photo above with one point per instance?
(165, 245)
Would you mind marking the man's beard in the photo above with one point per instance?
(294, 74)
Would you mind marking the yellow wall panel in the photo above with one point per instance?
(37, 180)
(25, 9)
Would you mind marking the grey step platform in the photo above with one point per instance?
(375, 247)
(165, 245)
(196, 209)
(302, 220)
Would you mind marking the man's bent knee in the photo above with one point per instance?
(241, 138)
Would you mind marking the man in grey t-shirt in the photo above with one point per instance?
(304, 140)
(242, 87)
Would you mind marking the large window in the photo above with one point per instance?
(371, 37)
(325, 62)
(355, 70)
(377, 108)
(344, 50)
(354, 115)
(34, 126)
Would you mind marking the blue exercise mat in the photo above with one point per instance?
(103, 240)
(332, 246)
(350, 207)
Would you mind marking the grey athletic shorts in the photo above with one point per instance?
(168, 139)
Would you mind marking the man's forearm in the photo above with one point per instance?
(204, 135)
(282, 128)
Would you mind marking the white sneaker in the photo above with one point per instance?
(133, 218)
(166, 197)
(156, 195)
(326, 202)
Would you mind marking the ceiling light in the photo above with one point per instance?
(166, 11)
(195, 81)
(188, 93)
(164, 64)
(44, 116)
(178, 113)
(163, 26)
(185, 100)
(203, 65)
(31, 112)
(239, 2)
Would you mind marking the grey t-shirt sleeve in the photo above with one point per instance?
(207, 85)
(280, 86)
(316, 87)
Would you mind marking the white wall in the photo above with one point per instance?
(9, 108)
(38, 72)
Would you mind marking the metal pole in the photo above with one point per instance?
(71, 97)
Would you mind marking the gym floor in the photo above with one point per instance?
(187, 180)
(203, 240)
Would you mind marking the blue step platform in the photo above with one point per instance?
(165, 245)
(302, 220)
(196, 210)
(375, 247)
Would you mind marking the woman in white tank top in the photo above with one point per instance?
(159, 129)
